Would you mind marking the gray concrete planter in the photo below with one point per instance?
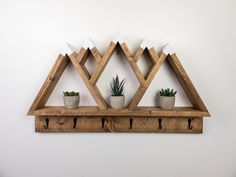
(71, 102)
(167, 102)
(117, 102)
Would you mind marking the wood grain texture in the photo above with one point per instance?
(185, 82)
(103, 62)
(131, 119)
(84, 53)
(50, 83)
(85, 72)
(144, 86)
(154, 69)
(132, 63)
(97, 96)
(140, 111)
(96, 54)
(138, 54)
(153, 55)
(119, 124)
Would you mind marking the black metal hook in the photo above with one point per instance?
(130, 123)
(103, 122)
(190, 124)
(159, 123)
(46, 123)
(74, 122)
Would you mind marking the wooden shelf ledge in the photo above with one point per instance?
(139, 112)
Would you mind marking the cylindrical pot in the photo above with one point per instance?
(71, 102)
(117, 102)
(167, 102)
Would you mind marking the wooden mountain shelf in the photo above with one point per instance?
(102, 118)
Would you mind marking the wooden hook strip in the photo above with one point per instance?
(119, 124)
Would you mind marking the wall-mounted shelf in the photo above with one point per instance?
(140, 111)
(131, 119)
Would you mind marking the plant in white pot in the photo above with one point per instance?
(117, 98)
(71, 99)
(167, 98)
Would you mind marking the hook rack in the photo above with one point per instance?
(131, 119)
(118, 124)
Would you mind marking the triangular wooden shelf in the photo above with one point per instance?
(131, 119)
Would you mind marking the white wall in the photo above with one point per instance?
(31, 35)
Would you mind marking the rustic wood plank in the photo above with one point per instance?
(132, 63)
(87, 74)
(142, 88)
(83, 56)
(96, 54)
(119, 124)
(153, 55)
(137, 97)
(154, 69)
(140, 111)
(89, 124)
(138, 54)
(185, 82)
(50, 83)
(79, 56)
(85, 53)
(97, 96)
(103, 62)
(167, 125)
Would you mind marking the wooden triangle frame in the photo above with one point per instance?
(79, 59)
(181, 76)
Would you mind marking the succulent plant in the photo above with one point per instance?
(167, 92)
(71, 93)
(117, 86)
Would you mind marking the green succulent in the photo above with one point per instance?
(117, 86)
(167, 92)
(71, 93)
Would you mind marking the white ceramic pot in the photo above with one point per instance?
(117, 102)
(167, 102)
(71, 102)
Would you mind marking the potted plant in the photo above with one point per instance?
(167, 98)
(117, 98)
(71, 99)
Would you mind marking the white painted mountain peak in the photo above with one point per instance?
(88, 43)
(167, 49)
(146, 43)
(118, 38)
(68, 49)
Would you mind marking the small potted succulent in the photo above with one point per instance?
(71, 99)
(117, 98)
(167, 98)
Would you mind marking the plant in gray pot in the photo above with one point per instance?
(71, 99)
(117, 98)
(167, 98)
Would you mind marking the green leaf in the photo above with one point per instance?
(117, 87)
